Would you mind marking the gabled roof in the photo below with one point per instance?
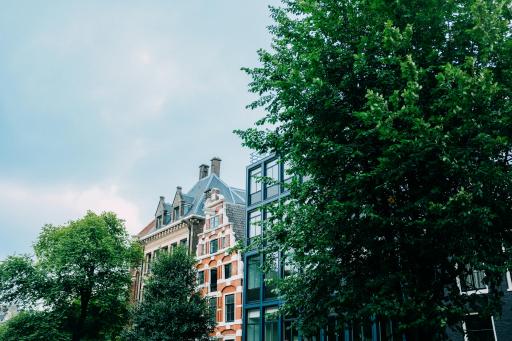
(149, 227)
(194, 199)
(197, 194)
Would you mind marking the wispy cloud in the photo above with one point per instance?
(26, 208)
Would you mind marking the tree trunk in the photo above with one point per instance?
(85, 297)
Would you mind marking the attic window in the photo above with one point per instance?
(176, 213)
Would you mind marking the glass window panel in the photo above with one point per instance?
(271, 324)
(213, 279)
(255, 185)
(253, 279)
(254, 224)
(479, 328)
(271, 274)
(213, 308)
(214, 245)
(227, 270)
(290, 332)
(230, 308)
(253, 325)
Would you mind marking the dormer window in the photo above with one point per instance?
(176, 213)
(159, 221)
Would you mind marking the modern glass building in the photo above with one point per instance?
(260, 303)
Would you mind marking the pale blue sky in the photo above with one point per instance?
(107, 105)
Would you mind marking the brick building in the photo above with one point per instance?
(220, 269)
(181, 221)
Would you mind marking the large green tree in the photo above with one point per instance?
(398, 115)
(172, 309)
(79, 278)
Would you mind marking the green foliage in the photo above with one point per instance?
(172, 308)
(33, 326)
(81, 272)
(398, 113)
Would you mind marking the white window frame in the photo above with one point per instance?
(471, 292)
(464, 330)
(509, 281)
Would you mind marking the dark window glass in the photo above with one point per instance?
(287, 175)
(474, 281)
(227, 270)
(214, 245)
(253, 279)
(271, 274)
(213, 279)
(214, 221)
(271, 324)
(230, 308)
(253, 325)
(290, 332)
(254, 224)
(213, 308)
(200, 277)
(272, 173)
(255, 185)
(183, 242)
(479, 328)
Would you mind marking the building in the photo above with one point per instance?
(220, 269)
(260, 303)
(208, 220)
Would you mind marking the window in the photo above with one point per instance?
(478, 328)
(290, 331)
(213, 279)
(253, 279)
(272, 173)
(253, 325)
(214, 221)
(165, 249)
(227, 271)
(200, 277)
(213, 308)
(509, 281)
(174, 246)
(255, 185)
(254, 224)
(287, 175)
(214, 245)
(473, 281)
(176, 213)
(271, 324)
(183, 242)
(148, 262)
(200, 250)
(230, 308)
(271, 274)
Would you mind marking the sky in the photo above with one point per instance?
(107, 105)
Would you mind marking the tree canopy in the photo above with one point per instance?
(397, 115)
(79, 279)
(172, 308)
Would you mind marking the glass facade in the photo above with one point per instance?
(254, 224)
(253, 279)
(253, 327)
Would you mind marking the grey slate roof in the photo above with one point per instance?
(194, 200)
(231, 194)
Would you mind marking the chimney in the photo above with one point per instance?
(203, 171)
(216, 166)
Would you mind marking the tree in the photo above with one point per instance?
(398, 116)
(172, 308)
(33, 326)
(79, 276)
